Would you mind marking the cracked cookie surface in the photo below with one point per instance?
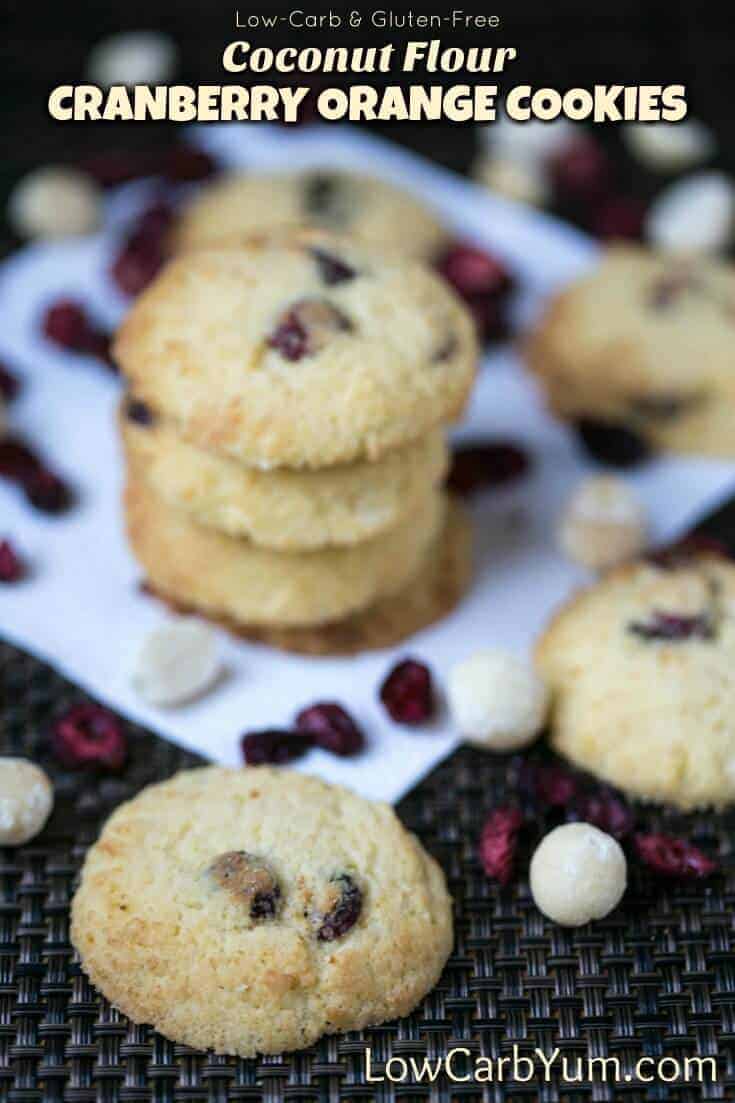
(252, 911)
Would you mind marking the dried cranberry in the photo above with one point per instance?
(154, 221)
(274, 746)
(12, 568)
(306, 328)
(324, 197)
(674, 627)
(668, 289)
(604, 809)
(331, 728)
(89, 735)
(474, 273)
(490, 319)
(9, 384)
(139, 412)
(331, 268)
(408, 693)
(137, 264)
(619, 217)
(249, 880)
(611, 444)
(672, 857)
(67, 324)
(499, 841)
(184, 165)
(47, 492)
(18, 462)
(555, 786)
(112, 168)
(477, 466)
(580, 172)
(344, 912)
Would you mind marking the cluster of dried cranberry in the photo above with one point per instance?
(407, 694)
(179, 164)
(143, 251)
(549, 790)
(485, 285)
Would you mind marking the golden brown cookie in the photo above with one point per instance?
(284, 508)
(441, 583)
(641, 668)
(303, 351)
(376, 213)
(234, 578)
(644, 344)
(252, 911)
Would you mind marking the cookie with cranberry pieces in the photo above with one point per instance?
(641, 669)
(638, 355)
(301, 350)
(373, 211)
(252, 911)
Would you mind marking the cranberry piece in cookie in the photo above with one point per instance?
(342, 908)
(307, 328)
(249, 881)
(674, 627)
(332, 269)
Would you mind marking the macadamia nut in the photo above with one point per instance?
(603, 523)
(132, 57)
(177, 661)
(578, 873)
(497, 700)
(521, 179)
(693, 215)
(54, 202)
(26, 800)
(670, 147)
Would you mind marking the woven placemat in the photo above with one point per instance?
(656, 979)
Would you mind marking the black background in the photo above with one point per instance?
(559, 44)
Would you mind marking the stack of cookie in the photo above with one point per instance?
(283, 439)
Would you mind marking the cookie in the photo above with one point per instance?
(374, 212)
(283, 508)
(641, 668)
(299, 351)
(252, 911)
(440, 584)
(643, 344)
(225, 576)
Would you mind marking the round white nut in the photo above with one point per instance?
(670, 147)
(603, 523)
(534, 140)
(497, 700)
(176, 662)
(519, 178)
(578, 873)
(26, 800)
(132, 57)
(694, 215)
(54, 202)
